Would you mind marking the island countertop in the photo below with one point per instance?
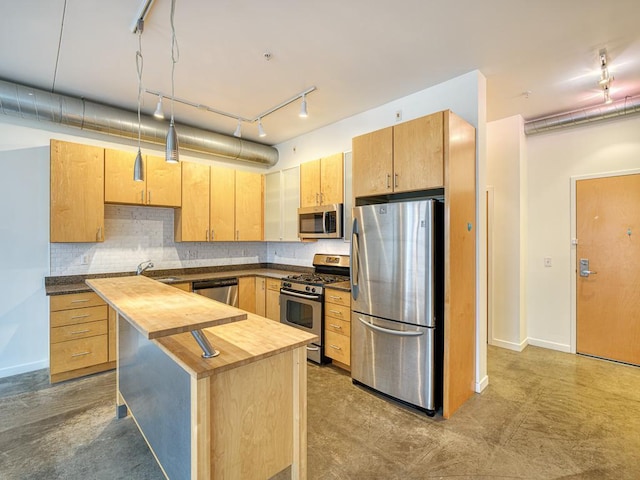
(157, 310)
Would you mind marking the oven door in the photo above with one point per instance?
(304, 311)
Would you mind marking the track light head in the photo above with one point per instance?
(261, 131)
(303, 107)
(238, 131)
(159, 113)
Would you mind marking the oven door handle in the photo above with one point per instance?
(300, 295)
(389, 331)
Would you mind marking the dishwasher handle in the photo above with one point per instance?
(215, 283)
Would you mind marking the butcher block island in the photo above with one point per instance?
(238, 415)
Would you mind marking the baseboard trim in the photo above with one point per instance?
(516, 347)
(561, 347)
(482, 384)
(24, 368)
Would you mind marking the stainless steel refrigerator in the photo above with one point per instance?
(397, 300)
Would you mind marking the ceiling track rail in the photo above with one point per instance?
(619, 108)
(35, 104)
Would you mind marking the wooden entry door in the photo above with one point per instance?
(608, 299)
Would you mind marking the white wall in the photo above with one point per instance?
(553, 158)
(464, 95)
(506, 180)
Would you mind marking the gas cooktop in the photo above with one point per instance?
(317, 278)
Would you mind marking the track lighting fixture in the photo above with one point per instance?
(607, 95)
(240, 119)
(138, 165)
(172, 155)
(159, 113)
(605, 77)
(303, 107)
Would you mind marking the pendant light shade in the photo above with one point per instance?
(138, 168)
(172, 145)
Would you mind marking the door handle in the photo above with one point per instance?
(398, 333)
(584, 268)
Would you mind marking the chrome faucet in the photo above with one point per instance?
(142, 266)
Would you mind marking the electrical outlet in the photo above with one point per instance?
(547, 261)
(85, 260)
(398, 115)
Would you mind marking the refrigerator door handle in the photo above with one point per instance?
(390, 332)
(354, 258)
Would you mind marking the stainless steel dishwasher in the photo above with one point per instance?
(223, 290)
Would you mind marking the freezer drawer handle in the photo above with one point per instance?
(390, 332)
(313, 349)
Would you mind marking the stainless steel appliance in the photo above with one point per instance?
(302, 298)
(223, 290)
(322, 221)
(397, 300)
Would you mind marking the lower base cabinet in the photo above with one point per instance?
(337, 327)
(272, 299)
(82, 336)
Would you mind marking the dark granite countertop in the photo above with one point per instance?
(65, 284)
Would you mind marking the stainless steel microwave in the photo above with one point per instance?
(323, 221)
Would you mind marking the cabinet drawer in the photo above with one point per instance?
(337, 311)
(338, 347)
(74, 300)
(80, 330)
(78, 315)
(80, 353)
(273, 284)
(337, 297)
(337, 326)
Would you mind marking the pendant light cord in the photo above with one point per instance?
(175, 53)
(139, 68)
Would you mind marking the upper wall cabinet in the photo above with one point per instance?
(77, 193)
(161, 185)
(403, 158)
(219, 204)
(322, 181)
(282, 197)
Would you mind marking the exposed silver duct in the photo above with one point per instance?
(626, 106)
(34, 104)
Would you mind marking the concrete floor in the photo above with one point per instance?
(545, 415)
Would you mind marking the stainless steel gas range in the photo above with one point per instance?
(302, 298)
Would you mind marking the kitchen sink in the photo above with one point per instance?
(168, 279)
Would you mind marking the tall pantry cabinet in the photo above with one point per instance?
(434, 155)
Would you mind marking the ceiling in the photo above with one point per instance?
(358, 53)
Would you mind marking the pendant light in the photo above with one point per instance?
(138, 166)
(172, 155)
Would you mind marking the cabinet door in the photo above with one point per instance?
(290, 203)
(247, 294)
(310, 183)
(372, 163)
(119, 185)
(418, 153)
(77, 193)
(249, 206)
(261, 296)
(273, 207)
(223, 204)
(273, 299)
(192, 219)
(164, 187)
(332, 179)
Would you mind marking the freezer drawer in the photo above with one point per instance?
(395, 358)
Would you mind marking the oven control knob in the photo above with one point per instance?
(307, 288)
(313, 290)
(286, 284)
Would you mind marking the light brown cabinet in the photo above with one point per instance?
(77, 193)
(261, 291)
(403, 158)
(337, 327)
(272, 299)
(161, 185)
(219, 204)
(247, 294)
(322, 181)
(82, 336)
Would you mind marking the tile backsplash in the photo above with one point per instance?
(134, 234)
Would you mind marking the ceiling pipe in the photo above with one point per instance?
(35, 104)
(625, 106)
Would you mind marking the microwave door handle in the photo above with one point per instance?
(325, 218)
